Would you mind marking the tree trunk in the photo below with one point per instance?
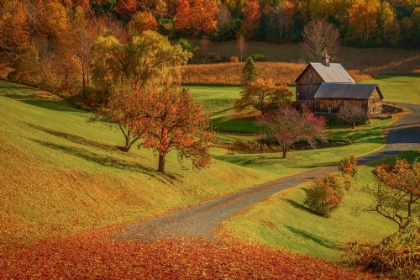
(353, 124)
(284, 151)
(161, 167)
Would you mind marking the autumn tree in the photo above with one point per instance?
(325, 195)
(363, 19)
(263, 96)
(200, 16)
(126, 8)
(147, 59)
(125, 107)
(289, 126)
(252, 15)
(14, 31)
(389, 25)
(318, 35)
(352, 113)
(280, 17)
(85, 34)
(177, 123)
(142, 21)
(397, 191)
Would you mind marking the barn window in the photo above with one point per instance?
(329, 109)
(310, 77)
(378, 110)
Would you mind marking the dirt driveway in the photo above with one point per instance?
(204, 219)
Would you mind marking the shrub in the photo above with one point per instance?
(217, 58)
(348, 166)
(325, 195)
(212, 55)
(186, 46)
(397, 254)
(258, 57)
(234, 59)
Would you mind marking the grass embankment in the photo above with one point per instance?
(59, 174)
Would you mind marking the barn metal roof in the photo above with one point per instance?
(346, 91)
(335, 73)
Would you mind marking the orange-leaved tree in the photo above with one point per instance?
(397, 191)
(252, 15)
(177, 123)
(200, 16)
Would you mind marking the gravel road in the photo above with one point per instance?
(203, 220)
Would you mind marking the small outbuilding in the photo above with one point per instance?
(330, 97)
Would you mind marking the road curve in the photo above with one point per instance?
(203, 220)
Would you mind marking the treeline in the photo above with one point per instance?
(373, 23)
(51, 41)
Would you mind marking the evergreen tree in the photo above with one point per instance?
(250, 72)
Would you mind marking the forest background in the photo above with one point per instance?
(49, 43)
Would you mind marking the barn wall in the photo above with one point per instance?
(308, 84)
(374, 104)
(333, 105)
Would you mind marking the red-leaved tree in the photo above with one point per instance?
(289, 126)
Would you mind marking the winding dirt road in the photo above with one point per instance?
(203, 220)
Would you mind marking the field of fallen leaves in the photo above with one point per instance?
(95, 255)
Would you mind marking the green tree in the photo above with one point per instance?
(250, 72)
(263, 96)
(146, 57)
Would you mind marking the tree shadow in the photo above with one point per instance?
(73, 138)
(107, 161)
(295, 205)
(45, 102)
(313, 237)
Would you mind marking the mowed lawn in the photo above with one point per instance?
(399, 88)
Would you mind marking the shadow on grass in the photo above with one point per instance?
(73, 138)
(55, 104)
(107, 161)
(313, 237)
(295, 205)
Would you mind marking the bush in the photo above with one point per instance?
(325, 195)
(234, 59)
(258, 57)
(186, 46)
(348, 166)
(218, 58)
(397, 254)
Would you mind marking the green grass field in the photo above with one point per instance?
(60, 174)
(399, 88)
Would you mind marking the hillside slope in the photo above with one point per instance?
(60, 174)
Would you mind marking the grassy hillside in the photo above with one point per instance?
(60, 174)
